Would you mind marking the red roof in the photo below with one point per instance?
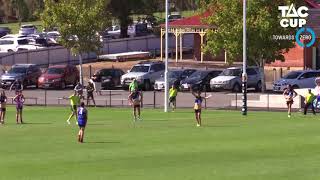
(192, 21)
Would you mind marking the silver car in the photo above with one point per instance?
(174, 78)
(145, 73)
(230, 79)
(298, 79)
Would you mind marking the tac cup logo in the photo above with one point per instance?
(296, 18)
(292, 17)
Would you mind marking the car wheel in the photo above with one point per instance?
(63, 85)
(147, 85)
(236, 88)
(259, 86)
(10, 50)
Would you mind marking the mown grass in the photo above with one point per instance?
(263, 145)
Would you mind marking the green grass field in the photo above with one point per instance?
(263, 145)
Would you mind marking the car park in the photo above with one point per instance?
(145, 72)
(230, 79)
(199, 80)
(28, 74)
(297, 79)
(174, 78)
(109, 78)
(59, 76)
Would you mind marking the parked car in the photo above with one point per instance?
(28, 29)
(174, 78)
(59, 76)
(174, 16)
(9, 36)
(298, 79)
(109, 78)
(230, 79)
(16, 44)
(199, 80)
(145, 73)
(4, 31)
(28, 74)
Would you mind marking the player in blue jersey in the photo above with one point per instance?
(198, 105)
(82, 121)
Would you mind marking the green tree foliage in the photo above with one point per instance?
(22, 9)
(262, 23)
(124, 9)
(78, 22)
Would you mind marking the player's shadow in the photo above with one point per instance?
(102, 142)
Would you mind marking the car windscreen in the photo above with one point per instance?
(140, 69)
(175, 74)
(231, 72)
(292, 75)
(199, 75)
(27, 27)
(6, 42)
(18, 70)
(55, 71)
(23, 41)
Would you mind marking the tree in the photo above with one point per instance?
(79, 22)
(22, 9)
(124, 9)
(262, 24)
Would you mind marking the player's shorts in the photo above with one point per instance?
(3, 109)
(197, 110)
(318, 98)
(172, 99)
(74, 108)
(82, 123)
(136, 103)
(290, 102)
(19, 107)
(90, 95)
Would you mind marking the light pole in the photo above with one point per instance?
(244, 71)
(166, 88)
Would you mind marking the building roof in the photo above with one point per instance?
(192, 21)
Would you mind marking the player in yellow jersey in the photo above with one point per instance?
(74, 102)
(173, 92)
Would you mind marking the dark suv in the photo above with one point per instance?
(109, 78)
(28, 74)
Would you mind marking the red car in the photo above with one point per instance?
(59, 76)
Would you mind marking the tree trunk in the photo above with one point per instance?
(263, 80)
(123, 30)
(80, 68)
